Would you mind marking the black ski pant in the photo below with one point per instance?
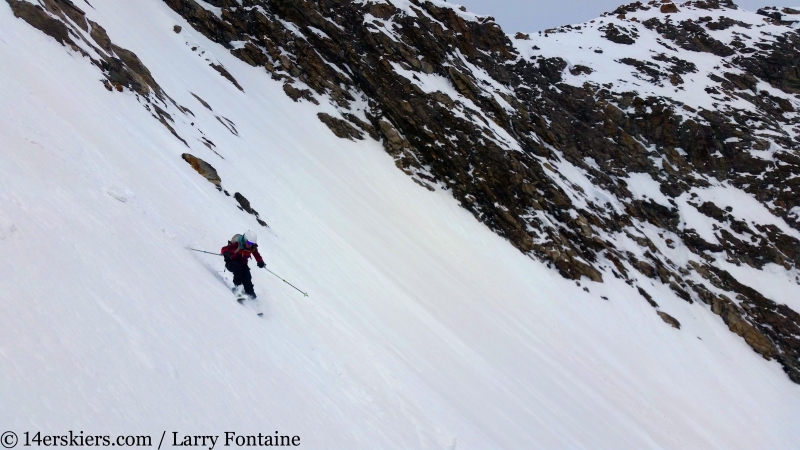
(241, 276)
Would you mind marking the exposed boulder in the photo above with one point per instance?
(669, 319)
(203, 168)
(39, 19)
(244, 205)
(224, 72)
(669, 8)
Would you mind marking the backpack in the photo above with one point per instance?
(237, 239)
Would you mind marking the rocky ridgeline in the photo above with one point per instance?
(610, 148)
(123, 70)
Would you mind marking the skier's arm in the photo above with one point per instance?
(258, 257)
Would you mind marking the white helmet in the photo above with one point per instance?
(250, 237)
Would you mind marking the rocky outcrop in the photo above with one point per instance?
(210, 173)
(227, 75)
(121, 68)
(203, 168)
(341, 128)
(244, 205)
(619, 35)
(673, 322)
(38, 18)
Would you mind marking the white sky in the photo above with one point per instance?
(534, 15)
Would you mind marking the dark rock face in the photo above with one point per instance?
(341, 128)
(688, 35)
(510, 136)
(619, 35)
(224, 72)
(244, 205)
(37, 18)
(776, 64)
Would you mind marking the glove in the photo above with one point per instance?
(227, 257)
(261, 265)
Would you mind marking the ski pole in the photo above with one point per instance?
(203, 251)
(290, 284)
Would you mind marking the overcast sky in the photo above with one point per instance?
(535, 15)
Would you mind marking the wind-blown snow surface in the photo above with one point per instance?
(423, 329)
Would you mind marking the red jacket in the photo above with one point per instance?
(241, 255)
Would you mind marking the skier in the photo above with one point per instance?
(236, 255)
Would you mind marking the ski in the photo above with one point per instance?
(253, 305)
(243, 300)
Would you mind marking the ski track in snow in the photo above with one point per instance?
(423, 329)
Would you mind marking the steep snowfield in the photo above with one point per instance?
(423, 329)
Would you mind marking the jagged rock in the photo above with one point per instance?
(689, 35)
(760, 343)
(224, 72)
(227, 123)
(100, 36)
(646, 269)
(647, 297)
(202, 102)
(203, 168)
(713, 211)
(647, 68)
(579, 69)
(371, 131)
(244, 203)
(38, 18)
(776, 64)
(771, 14)
(464, 85)
(394, 142)
(341, 128)
(132, 73)
(619, 35)
(630, 8)
(680, 291)
(669, 319)
(296, 94)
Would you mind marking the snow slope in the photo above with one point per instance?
(423, 329)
